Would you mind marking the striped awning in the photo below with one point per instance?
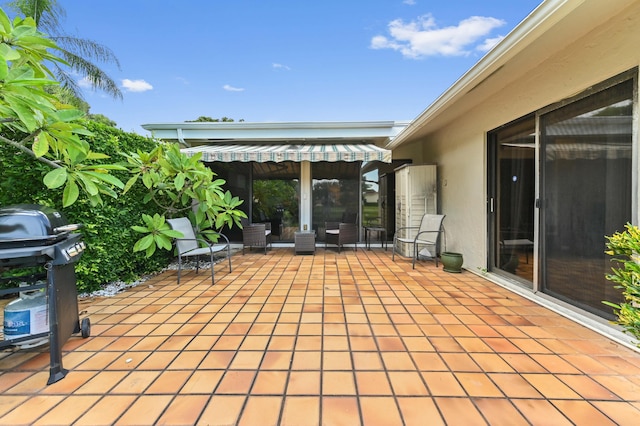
(278, 153)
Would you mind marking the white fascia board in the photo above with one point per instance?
(294, 131)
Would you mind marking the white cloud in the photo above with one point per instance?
(489, 43)
(85, 82)
(136, 85)
(230, 88)
(409, 2)
(422, 37)
(281, 67)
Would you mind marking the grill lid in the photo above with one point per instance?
(32, 224)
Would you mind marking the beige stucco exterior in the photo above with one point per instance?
(559, 51)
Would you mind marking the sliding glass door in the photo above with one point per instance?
(586, 193)
(512, 199)
(584, 153)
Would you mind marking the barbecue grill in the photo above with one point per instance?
(40, 239)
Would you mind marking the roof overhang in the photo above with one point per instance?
(552, 25)
(378, 133)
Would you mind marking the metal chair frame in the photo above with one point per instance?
(190, 246)
(427, 234)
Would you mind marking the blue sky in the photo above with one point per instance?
(285, 60)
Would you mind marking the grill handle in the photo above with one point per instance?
(67, 228)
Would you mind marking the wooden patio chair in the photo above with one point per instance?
(190, 246)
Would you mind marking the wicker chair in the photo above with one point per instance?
(189, 245)
(343, 232)
(256, 235)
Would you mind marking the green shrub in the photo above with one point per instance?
(107, 228)
(625, 247)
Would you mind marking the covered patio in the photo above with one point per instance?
(350, 338)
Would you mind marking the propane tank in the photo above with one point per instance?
(25, 316)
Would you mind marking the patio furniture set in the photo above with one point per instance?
(427, 236)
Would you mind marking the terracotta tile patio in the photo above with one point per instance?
(345, 339)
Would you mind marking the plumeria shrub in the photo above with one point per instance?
(625, 249)
(179, 186)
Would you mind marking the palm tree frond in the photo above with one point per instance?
(87, 48)
(48, 14)
(79, 53)
(98, 78)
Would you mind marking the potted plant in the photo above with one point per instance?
(451, 261)
(625, 247)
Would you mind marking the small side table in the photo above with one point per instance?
(304, 242)
(382, 236)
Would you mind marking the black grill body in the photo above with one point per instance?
(40, 238)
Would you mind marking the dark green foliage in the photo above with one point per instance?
(207, 119)
(107, 228)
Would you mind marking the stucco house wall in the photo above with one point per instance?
(578, 50)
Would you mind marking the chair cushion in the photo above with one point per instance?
(204, 250)
(405, 240)
(333, 231)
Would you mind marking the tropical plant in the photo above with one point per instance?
(625, 247)
(80, 55)
(35, 122)
(180, 186)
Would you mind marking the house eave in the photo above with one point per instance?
(190, 133)
(552, 17)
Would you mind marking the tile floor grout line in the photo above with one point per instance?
(393, 392)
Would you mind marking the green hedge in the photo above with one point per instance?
(107, 229)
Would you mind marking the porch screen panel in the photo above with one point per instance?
(276, 197)
(335, 191)
(586, 182)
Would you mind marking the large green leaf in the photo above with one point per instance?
(71, 193)
(4, 68)
(40, 145)
(179, 181)
(130, 183)
(88, 183)
(143, 243)
(70, 115)
(162, 241)
(55, 178)
(5, 22)
(105, 177)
